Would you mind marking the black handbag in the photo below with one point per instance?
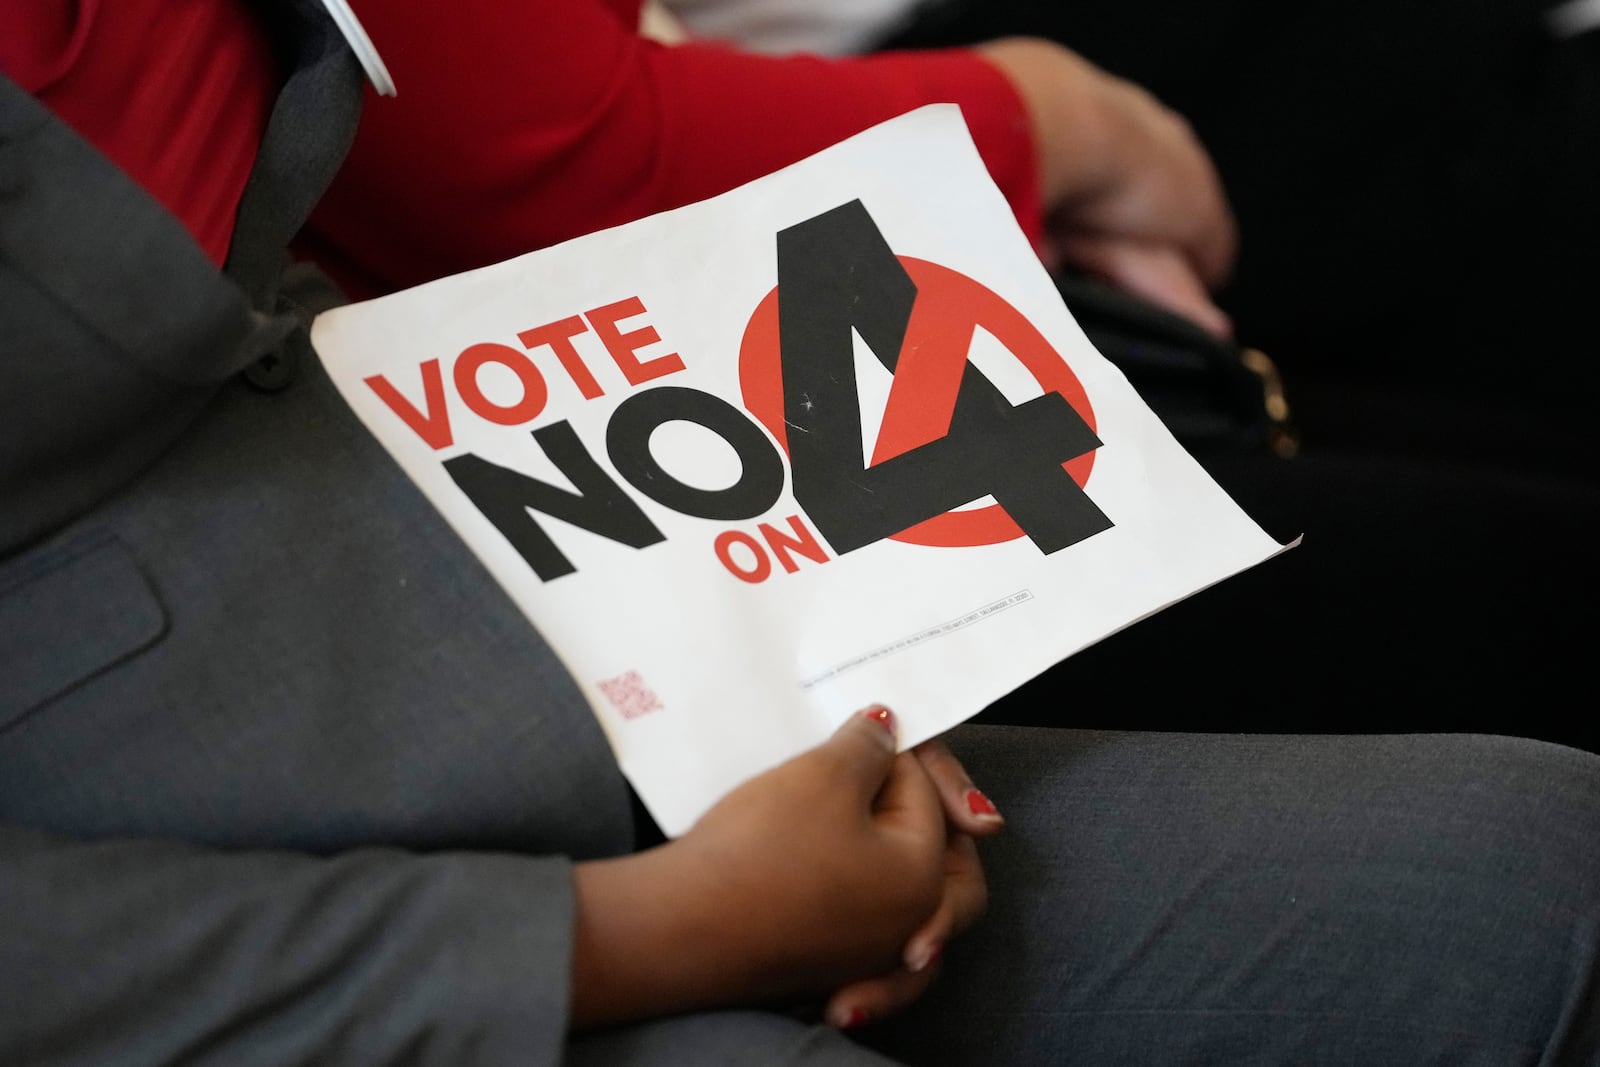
(1215, 395)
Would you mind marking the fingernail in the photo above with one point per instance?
(981, 806)
(847, 1018)
(921, 955)
(883, 717)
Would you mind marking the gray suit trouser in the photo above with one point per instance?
(1223, 899)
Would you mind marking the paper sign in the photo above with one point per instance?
(826, 440)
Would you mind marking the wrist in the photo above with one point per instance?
(1065, 100)
(646, 939)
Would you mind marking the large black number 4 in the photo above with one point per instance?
(837, 273)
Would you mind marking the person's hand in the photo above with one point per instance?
(969, 815)
(1130, 193)
(815, 875)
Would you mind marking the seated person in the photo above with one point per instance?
(284, 777)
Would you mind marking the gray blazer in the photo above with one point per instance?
(284, 776)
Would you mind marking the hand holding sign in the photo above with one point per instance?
(847, 865)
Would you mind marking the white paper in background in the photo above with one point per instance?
(719, 648)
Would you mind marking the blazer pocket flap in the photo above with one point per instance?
(68, 616)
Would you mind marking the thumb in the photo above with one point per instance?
(1157, 273)
(864, 745)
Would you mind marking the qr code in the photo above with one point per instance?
(630, 696)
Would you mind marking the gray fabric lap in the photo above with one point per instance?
(722, 1039)
(1233, 899)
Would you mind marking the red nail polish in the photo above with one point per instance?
(981, 805)
(856, 1018)
(883, 717)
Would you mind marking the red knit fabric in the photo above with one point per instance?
(520, 125)
(177, 94)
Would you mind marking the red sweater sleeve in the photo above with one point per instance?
(176, 95)
(518, 125)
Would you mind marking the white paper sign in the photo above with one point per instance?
(687, 476)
